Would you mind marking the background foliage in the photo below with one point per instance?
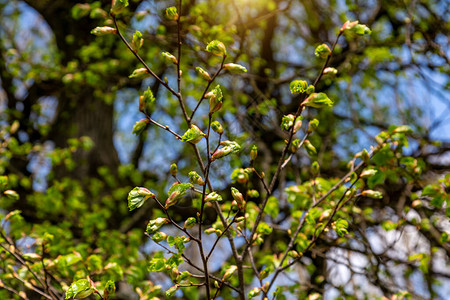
(68, 158)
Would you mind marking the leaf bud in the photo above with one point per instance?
(213, 197)
(117, 6)
(159, 237)
(139, 126)
(173, 169)
(315, 168)
(229, 272)
(322, 51)
(318, 100)
(368, 173)
(311, 89)
(169, 57)
(172, 290)
(310, 148)
(254, 292)
(137, 41)
(287, 122)
(193, 135)
(237, 196)
(312, 125)
(171, 13)
(235, 68)
(253, 193)
(204, 74)
(194, 178)
(104, 30)
(139, 73)
(210, 230)
(215, 99)
(154, 225)
(330, 71)
(13, 195)
(217, 48)
(298, 124)
(253, 152)
(298, 87)
(365, 156)
(372, 194)
(217, 127)
(190, 222)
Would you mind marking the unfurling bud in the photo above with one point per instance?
(211, 197)
(368, 173)
(294, 145)
(204, 74)
(172, 290)
(318, 100)
(210, 231)
(254, 292)
(194, 178)
(310, 148)
(217, 48)
(322, 51)
(154, 225)
(365, 156)
(217, 127)
(173, 169)
(293, 254)
(139, 73)
(169, 57)
(171, 13)
(287, 122)
(348, 25)
(353, 29)
(98, 31)
(146, 101)
(235, 68)
(330, 71)
(117, 6)
(311, 89)
(253, 193)
(312, 125)
(298, 87)
(215, 99)
(190, 222)
(237, 196)
(159, 237)
(315, 168)
(228, 148)
(372, 194)
(138, 196)
(11, 194)
(139, 126)
(137, 41)
(239, 175)
(253, 153)
(193, 135)
(229, 272)
(175, 193)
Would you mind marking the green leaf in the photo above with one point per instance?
(176, 192)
